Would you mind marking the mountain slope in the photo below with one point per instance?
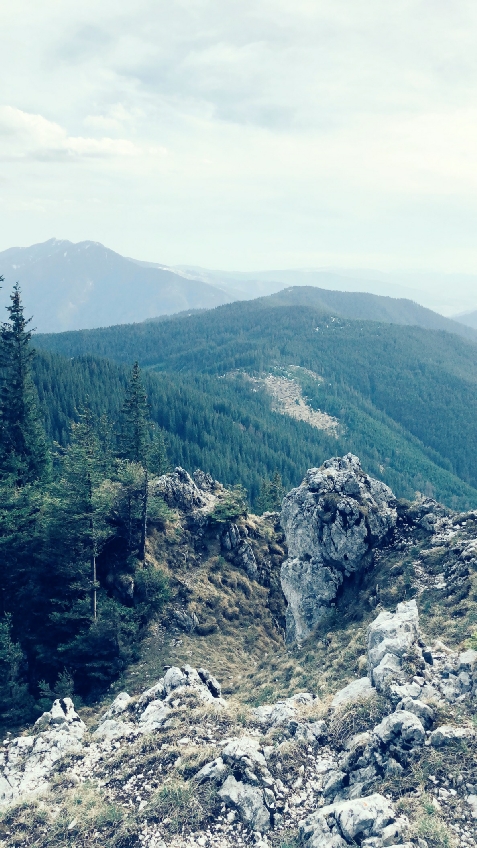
(71, 286)
(467, 318)
(229, 428)
(370, 307)
(375, 377)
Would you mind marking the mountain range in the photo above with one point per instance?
(70, 286)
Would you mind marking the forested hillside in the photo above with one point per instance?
(227, 427)
(379, 379)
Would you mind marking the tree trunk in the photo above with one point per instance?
(145, 498)
(93, 592)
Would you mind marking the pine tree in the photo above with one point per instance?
(23, 450)
(15, 702)
(84, 503)
(134, 436)
(138, 447)
(271, 494)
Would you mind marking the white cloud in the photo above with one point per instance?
(35, 136)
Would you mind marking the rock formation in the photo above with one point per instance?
(331, 521)
(333, 797)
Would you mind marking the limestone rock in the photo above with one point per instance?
(446, 734)
(249, 802)
(29, 760)
(331, 521)
(282, 712)
(180, 491)
(401, 726)
(390, 637)
(423, 711)
(347, 822)
(215, 770)
(357, 690)
(110, 729)
(119, 705)
(154, 716)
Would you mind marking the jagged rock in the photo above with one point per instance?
(205, 482)
(282, 712)
(357, 690)
(110, 729)
(347, 822)
(215, 770)
(331, 521)
(119, 705)
(62, 712)
(309, 732)
(333, 784)
(154, 716)
(446, 734)
(244, 748)
(401, 727)
(230, 538)
(29, 760)
(423, 711)
(211, 682)
(180, 491)
(156, 692)
(468, 661)
(186, 622)
(391, 636)
(249, 802)
(245, 558)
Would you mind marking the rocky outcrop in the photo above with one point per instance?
(181, 492)
(283, 765)
(354, 822)
(27, 762)
(331, 521)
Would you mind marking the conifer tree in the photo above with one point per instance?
(84, 504)
(23, 450)
(271, 494)
(135, 415)
(137, 446)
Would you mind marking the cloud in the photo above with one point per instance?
(295, 130)
(34, 136)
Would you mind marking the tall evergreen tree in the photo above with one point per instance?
(23, 450)
(136, 445)
(134, 436)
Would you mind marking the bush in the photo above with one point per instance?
(231, 507)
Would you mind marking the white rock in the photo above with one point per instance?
(357, 690)
(119, 705)
(401, 725)
(214, 770)
(446, 734)
(154, 716)
(111, 729)
(248, 801)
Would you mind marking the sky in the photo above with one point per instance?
(243, 135)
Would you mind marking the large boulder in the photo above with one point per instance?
(331, 521)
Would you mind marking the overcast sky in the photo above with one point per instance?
(243, 134)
